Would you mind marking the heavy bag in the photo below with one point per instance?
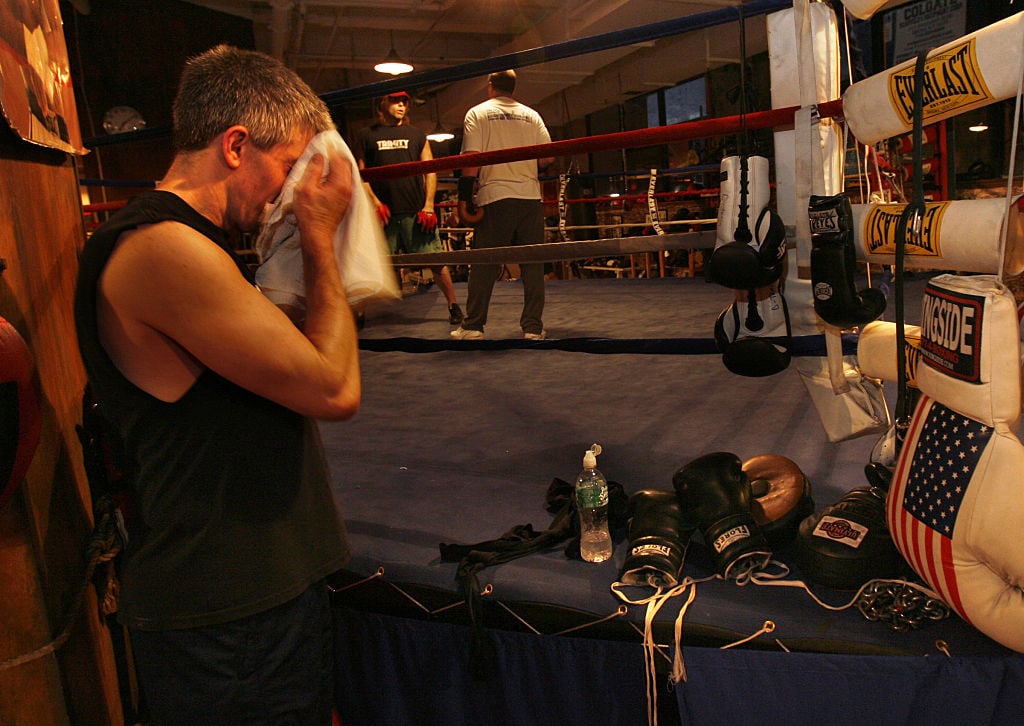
(956, 503)
(20, 417)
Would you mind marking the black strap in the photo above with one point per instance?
(914, 212)
(517, 542)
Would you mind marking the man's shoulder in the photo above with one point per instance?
(508, 107)
(479, 107)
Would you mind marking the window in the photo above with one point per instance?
(685, 102)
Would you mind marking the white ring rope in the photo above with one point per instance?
(557, 251)
(1009, 173)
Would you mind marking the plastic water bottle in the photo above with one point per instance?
(592, 504)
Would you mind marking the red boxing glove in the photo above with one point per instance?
(19, 435)
(384, 212)
(426, 220)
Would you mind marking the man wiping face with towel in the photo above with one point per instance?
(213, 393)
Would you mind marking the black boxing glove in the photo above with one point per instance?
(751, 239)
(849, 543)
(469, 213)
(742, 266)
(658, 535)
(466, 188)
(834, 263)
(757, 343)
(715, 490)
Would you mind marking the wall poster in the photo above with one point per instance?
(36, 96)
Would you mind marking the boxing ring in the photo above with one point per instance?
(459, 446)
(457, 443)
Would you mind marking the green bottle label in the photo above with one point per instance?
(592, 497)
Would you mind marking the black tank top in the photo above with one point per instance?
(235, 513)
(384, 145)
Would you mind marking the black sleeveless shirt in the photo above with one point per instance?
(235, 513)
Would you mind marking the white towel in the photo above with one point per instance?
(359, 243)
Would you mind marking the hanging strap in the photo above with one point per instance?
(808, 165)
(563, 182)
(652, 203)
(909, 224)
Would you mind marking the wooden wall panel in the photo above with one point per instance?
(43, 532)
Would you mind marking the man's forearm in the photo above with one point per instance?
(431, 185)
(329, 323)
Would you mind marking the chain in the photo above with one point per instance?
(901, 605)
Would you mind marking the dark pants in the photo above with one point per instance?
(507, 222)
(275, 667)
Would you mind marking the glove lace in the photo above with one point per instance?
(903, 605)
(654, 604)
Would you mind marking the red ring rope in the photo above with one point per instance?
(604, 142)
(632, 139)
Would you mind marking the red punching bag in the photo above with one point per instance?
(20, 418)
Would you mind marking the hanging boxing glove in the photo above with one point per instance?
(955, 504)
(715, 491)
(834, 264)
(750, 243)
(755, 337)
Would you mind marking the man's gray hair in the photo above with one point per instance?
(227, 86)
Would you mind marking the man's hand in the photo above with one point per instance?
(321, 201)
(426, 220)
(384, 213)
(469, 214)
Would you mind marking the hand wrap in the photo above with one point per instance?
(426, 220)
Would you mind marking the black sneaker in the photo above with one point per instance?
(455, 315)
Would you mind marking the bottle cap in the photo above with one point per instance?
(590, 457)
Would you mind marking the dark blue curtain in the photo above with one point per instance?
(395, 671)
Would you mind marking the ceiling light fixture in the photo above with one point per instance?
(439, 134)
(393, 65)
(978, 126)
